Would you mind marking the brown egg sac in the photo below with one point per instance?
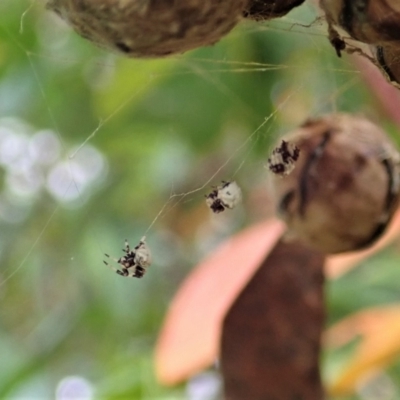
(344, 188)
(373, 21)
(260, 10)
(388, 60)
(150, 28)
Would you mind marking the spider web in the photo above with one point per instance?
(305, 80)
(208, 70)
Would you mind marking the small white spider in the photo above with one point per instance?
(283, 158)
(135, 262)
(227, 195)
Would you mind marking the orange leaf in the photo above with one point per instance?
(380, 345)
(189, 340)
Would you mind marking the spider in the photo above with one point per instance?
(227, 195)
(135, 262)
(283, 158)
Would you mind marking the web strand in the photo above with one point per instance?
(205, 69)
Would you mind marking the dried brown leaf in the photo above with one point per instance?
(271, 334)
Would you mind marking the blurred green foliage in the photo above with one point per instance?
(159, 127)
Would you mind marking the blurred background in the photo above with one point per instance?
(95, 148)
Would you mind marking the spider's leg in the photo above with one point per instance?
(117, 260)
(129, 265)
(141, 243)
(123, 272)
(127, 247)
(139, 272)
(131, 273)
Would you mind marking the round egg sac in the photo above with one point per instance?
(150, 28)
(344, 188)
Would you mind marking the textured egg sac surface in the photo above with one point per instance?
(344, 188)
(260, 10)
(388, 60)
(374, 21)
(150, 28)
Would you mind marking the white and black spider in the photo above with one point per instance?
(227, 195)
(283, 158)
(135, 262)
